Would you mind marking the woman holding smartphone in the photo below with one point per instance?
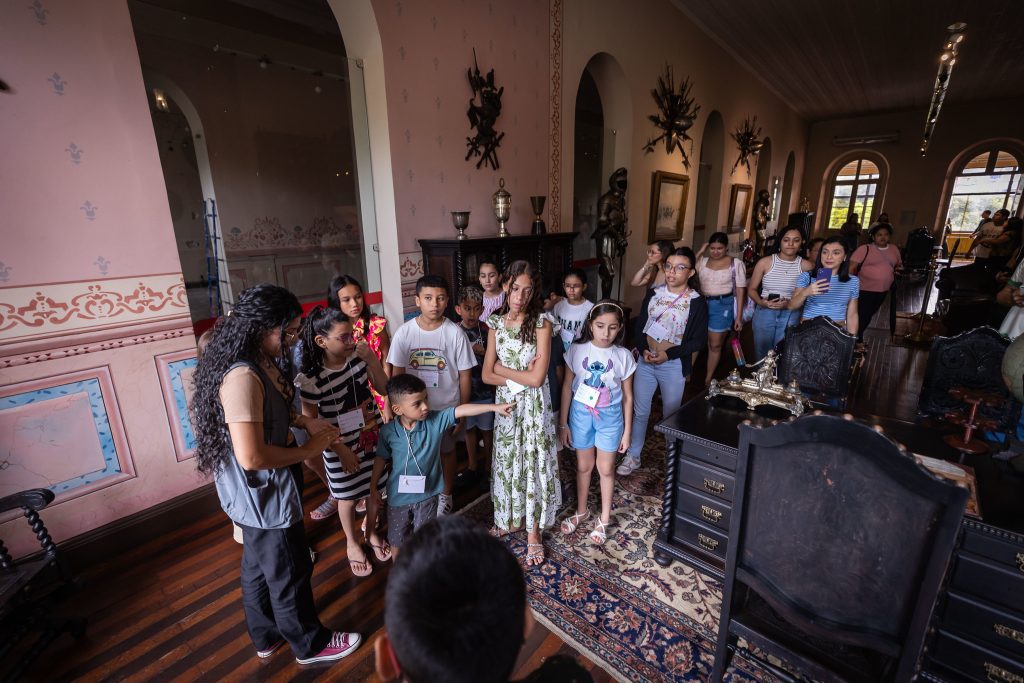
(771, 287)
(833, 292)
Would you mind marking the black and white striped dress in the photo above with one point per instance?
(335, 392)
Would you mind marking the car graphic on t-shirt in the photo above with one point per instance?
(424, 359)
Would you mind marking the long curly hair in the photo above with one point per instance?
(534, 307)
(237, 337)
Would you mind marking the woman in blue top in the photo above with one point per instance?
(833, 296)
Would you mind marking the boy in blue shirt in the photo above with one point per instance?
(412, 442)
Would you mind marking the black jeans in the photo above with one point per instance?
(277, 590)
(868, 304)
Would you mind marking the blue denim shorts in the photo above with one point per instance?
(603, 430)
(484, 422)
(721, 315)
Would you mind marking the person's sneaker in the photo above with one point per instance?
(628, 466)
(263, 654)
(444, 504)
(340, 645)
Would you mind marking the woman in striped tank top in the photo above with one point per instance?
(771, 287)
(335, 386)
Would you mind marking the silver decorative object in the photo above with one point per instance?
(760, 389)
(502, 201)
(460, 219)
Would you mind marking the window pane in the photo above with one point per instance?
(868, 169)
(978, 164)
(1005, 162)
(843, 191)
(840, 209)
(848, 172)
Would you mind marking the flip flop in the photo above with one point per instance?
(325, 509)
(360, 568)
(383, 551)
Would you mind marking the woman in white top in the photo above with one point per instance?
(771, 287)
(723, 282)
(651, 274)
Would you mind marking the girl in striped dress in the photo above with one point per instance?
(334, 385)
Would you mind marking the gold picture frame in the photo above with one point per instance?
(739, 206)
(669, 192)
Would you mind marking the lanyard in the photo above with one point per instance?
(673, 304)
(412, 454)
(337, 399)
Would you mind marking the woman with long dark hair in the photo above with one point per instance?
(241, 414)
(832, 292)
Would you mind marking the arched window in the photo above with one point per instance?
(989, 181)
(853, 190)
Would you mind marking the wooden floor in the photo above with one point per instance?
(171, 609)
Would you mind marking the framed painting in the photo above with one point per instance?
(739, 206)
(668, 206)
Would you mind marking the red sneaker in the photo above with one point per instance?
(340, 645)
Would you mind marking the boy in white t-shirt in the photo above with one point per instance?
(572, 311)
(434, 349)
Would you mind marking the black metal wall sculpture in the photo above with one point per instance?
(676, 113)
(748, 139)
(484, 109)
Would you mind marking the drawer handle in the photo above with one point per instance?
(719, 487)
(711, 544)
(1007, 632)
(1020, 558)
(996, 674)
(710, 513)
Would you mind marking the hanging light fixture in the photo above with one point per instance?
(947, 60)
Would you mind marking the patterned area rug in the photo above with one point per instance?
(640, 621)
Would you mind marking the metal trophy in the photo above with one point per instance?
(502, 201)
(460, 219)
(537, 202)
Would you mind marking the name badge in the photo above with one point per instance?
(587, 395)
(408, 483)
(657, 331)
(351, 421)
(514, 387)
(429, 377)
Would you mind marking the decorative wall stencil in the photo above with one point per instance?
(42, 310)
(412, 265)
(90, 210)
(267, 233)
(75, 152)
(80, 349)
(677, 111)
(58, 83)
(63, 433)
(5, 272)
(175, 371)
(102, 264)
(40, 12)
(484, 110)
(555, 106)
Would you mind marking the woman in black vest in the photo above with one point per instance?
(241, 417)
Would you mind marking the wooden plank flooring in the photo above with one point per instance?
(170, 609)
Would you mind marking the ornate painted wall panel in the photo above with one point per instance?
(175, 371)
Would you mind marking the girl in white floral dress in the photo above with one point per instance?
(525, 486)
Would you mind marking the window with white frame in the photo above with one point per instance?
(990, 181)
(853, 190)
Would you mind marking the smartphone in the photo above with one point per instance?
(774, 297)
(825, 274)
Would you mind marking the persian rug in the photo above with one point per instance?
(614, 603)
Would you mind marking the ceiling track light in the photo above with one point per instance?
(947, 59)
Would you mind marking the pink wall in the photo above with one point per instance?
(92, 304)
(914, 191)
(427, 50)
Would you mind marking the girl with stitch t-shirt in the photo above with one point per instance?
(597, 394)
(572, 311)
(335, 386)
(671, 325)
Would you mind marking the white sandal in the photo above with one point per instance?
(571, 523)
(600, 534)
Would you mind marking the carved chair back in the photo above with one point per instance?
(845, 538)
(818, 354)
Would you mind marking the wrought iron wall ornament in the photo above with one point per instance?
(484, 109)
(676, 114)
(748, 140)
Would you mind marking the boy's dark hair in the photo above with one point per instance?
(432, 281)
(403, 385)
(455, 605)
(578, 272)
(471, 293)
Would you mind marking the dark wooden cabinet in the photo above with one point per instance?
(458, 261)
(978, 623)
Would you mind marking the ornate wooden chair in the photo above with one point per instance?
(838, 544)
(969, 360)
(29, 586)
(820, 356)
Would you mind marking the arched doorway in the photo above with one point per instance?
(709, 178)
(588, 162)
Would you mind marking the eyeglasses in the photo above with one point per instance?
(668, 268)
